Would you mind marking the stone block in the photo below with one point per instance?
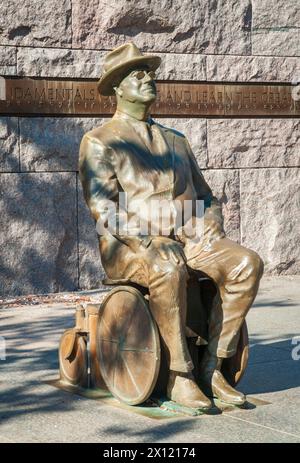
(270, 219)
(53, 62)
(279, 13)
(8, 61)
(285, 42)
(52, 144)
(276, 28)
(37, 23)
(181, 66)
(235, 143)
(9, 146)
(195, 132)
(91, 272)
(38, 237)
(164, 26)
(252, 68)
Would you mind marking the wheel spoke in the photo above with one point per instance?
(130, 375)
(106, 326)
(115, 341)
(129, 348)
(133, 349)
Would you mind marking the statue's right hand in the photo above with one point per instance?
(167, 249)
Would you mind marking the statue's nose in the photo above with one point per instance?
(147, 78)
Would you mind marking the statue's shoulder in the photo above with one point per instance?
(171, 132)
(101, 134)
(96, 143)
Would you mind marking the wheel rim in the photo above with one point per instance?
(128, 347)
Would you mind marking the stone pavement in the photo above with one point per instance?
(33, 411)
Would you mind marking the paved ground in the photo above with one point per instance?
(33, 411)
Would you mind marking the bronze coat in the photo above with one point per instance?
(114, 158)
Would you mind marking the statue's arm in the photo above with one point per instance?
(101, 188)
(213, 207)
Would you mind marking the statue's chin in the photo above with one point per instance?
(145, 98)
(149, 98)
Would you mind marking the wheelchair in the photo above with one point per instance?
(116, 345)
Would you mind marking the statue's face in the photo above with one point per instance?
(138, 86)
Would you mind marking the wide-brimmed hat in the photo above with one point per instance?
(119, 61)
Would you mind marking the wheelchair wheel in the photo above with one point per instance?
(234, 367)
(128, 346)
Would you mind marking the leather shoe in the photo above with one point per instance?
(222, 390)
(183, 389)
(214, 384)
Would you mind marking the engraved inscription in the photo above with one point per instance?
(60, 97)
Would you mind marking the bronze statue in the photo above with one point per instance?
(133, 154)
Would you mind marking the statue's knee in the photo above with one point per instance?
(255, 264)
(170, 270)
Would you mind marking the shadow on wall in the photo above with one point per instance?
(48, 237)
(39, 221)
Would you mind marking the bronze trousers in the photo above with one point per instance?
(235, 270)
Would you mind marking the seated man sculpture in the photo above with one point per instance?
(133, 155)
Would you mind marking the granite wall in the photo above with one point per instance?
(47, 239)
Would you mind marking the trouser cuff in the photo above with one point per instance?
(222, 353)
(182, 367)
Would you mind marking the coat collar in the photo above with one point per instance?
(168, 134)
(126, 130)
(127, 117)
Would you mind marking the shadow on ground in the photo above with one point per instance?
(32, 359)
(271, 367)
